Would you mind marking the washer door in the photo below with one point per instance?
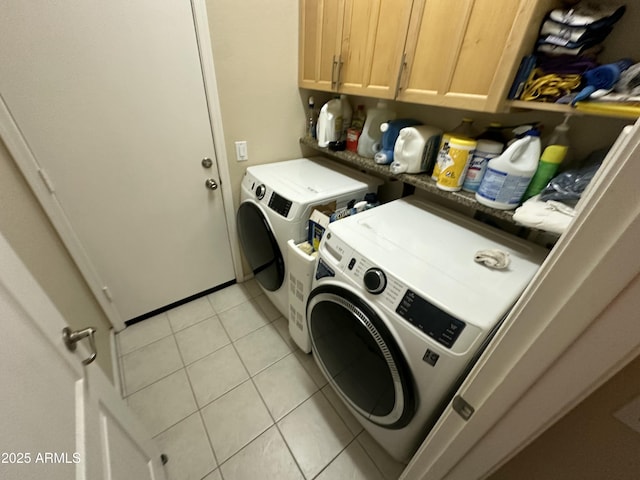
(260, 246)
(360, 357)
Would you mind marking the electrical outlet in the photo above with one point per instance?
(241, 151)
(630, 414)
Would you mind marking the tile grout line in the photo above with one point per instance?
(366, 452)
(146, 344)
(242, 383)
(263, 402)
(198, 409)
(275, 424)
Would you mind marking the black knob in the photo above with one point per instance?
(375, 281)
(260, 191)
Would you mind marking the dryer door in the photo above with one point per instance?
(360, 357)
(260, 246)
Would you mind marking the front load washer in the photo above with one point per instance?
(276, 201)
(399, 311)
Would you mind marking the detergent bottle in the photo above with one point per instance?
(552, 156)
(329, 126)
(508, 175)
(369, 141)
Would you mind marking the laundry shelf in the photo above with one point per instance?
(420, 181)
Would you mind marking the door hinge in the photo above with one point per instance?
(462, 407)
(46, 180)
(107, 293)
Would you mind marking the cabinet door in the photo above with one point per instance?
(319, 44)
(464, 53)
(373, 37)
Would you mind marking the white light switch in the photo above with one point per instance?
(241, 151)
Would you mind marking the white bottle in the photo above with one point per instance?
(329, 122)
(508, 176)
(369, 141)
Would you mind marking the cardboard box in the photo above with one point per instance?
(318, 223)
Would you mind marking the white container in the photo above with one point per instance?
(453, 167)
(485, 151)
(508, 176)
(415, 149)
(369, 141)
(330, 122)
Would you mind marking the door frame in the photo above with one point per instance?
(558, 337)
(38, 182)
(203, 37)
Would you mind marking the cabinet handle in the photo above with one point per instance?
(339, 71)
(403, 65)
(333, 73)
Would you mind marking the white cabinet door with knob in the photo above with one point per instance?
(61, 418)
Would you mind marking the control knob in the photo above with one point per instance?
(375, 281)
(260, 191)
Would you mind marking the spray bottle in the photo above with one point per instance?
(552, 157)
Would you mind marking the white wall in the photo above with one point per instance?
(255, 50)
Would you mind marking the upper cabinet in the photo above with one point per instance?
(464, 53)
(452, 53)
(352, 46)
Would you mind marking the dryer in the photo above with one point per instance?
(276, 201)
(399, 310)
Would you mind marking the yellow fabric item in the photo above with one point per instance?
(548, 87)
(625, 110)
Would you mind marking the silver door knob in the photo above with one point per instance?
(71, 338)
(211, 184)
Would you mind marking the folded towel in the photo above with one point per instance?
(551, 216)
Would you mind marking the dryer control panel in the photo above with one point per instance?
(279, 204)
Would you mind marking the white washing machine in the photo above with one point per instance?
(399, 309)
(275, 204)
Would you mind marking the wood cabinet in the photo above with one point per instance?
(464, 53)
(452, 53)
(352, 46)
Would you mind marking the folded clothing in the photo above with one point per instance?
(591, 14)
(566, 64)
(568, 36)
(550, 216)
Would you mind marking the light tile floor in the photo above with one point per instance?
(226, 393)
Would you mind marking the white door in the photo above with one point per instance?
(59, 420)
(109, 98)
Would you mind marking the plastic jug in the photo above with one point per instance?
(369, 141)
(416, 148)
(508, 176)
(329, 122)
(390, 131)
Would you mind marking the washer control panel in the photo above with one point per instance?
(395, 295)
(440, 326)
(375, 281)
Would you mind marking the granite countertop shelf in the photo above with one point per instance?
(421, 181)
